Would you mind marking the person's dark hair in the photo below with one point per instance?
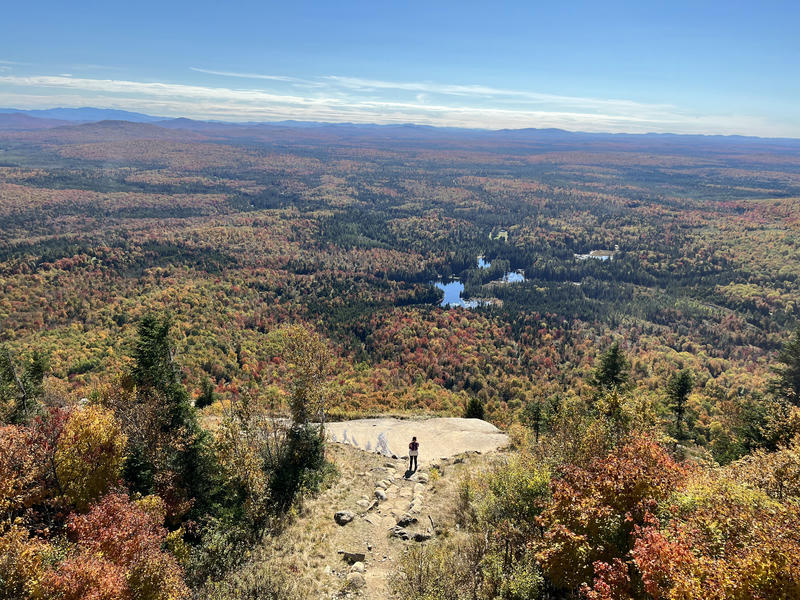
(414, 439)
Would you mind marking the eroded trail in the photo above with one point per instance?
(349, 541)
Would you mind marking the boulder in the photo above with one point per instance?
(352, 557)
(399, 532)
(343, 517)
(358, 567)
(380, 494)
(422, 537)
(406, 520)
(356, 580)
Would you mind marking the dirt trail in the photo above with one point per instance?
(387, 512)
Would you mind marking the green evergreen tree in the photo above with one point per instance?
(207, 395)
(786, 385)
(679, 387)
(474, 409)
(533, 414)
(612, 370)
(20, 388)
(188, 455)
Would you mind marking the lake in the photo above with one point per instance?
(513, 277)
(453, 289)
(452, 294)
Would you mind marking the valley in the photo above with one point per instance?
(581, 329)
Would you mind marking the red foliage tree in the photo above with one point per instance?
(122, 540)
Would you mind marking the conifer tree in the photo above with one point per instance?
(20, 388)
(612, 369)
(474, 409)
(207, 395)
(679, 387)
(786, 385)
(180, 451)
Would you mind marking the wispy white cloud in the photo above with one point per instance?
(243, 75)
(342, 99)
(356, 83)
(283, 78)
(93, 67)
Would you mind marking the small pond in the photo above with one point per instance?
(452, 294)
(513, 277)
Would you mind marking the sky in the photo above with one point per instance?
(647, 66)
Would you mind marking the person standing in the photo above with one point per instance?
(413, 452)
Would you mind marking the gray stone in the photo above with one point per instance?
(356, 580)
(399, 532)
(343, 517)
(380, 494)
(422, 477)
(363, 503)
(352, 557)
(406, 520)
(358, 567)
(422, 537)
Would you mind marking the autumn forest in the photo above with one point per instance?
(172, 294)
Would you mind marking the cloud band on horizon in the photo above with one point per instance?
(350, 99)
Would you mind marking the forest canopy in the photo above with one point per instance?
(180, 314)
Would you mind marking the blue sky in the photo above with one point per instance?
(684, 67)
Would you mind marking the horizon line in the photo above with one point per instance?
(161, 119)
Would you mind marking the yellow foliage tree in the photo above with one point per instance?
(20, 470)
(89, 455)
(21, 563)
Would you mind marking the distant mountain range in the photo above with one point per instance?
(126, 122)
(86, 114)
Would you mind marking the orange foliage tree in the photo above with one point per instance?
(595, 509)
(118, 555)
(722, 541)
